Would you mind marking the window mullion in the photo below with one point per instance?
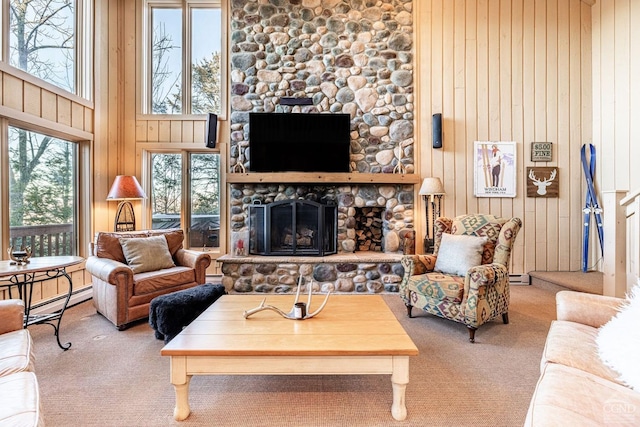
(186, 59)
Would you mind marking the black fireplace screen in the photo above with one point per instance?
(293, 227)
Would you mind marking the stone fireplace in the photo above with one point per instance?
(342, 56)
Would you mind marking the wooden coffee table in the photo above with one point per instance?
(353, 335)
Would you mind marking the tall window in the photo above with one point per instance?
(43, 40)
(42, 193)
(185, 192)
(184, 74)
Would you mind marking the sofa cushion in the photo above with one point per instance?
(108, 245)
(17, 352)
(565, 396)
(574, 344)
(438, 287)
(147, 254)
(155, 281)
(20, 400)
(458, 253)
(619, 342)
(174, 239)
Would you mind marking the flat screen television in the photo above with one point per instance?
(298, 142)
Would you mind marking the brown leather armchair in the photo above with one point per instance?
(123, 296)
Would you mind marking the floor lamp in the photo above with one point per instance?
(432, 190)
(125, 188)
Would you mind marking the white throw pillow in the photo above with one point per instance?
(619, 341)
(458, 253)
(147, 253)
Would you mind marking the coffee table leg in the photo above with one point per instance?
(180, 381)
(399, 381)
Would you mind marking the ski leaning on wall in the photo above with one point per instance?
(591, 205)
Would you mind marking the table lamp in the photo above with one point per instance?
(432, 189)
(125, 188)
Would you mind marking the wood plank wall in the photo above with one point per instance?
(616, 92)
(509, 71)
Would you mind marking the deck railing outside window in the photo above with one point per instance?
(44, 240)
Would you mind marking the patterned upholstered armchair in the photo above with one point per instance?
(473, 295)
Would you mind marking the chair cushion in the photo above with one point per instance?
(438, 286)
(147, 254)
(458, 253)
(20, 400)
(17, 352)
(154, 281)
(574, 344)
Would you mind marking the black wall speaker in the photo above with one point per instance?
(212, 130)
(436, 126)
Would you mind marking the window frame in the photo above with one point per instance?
(185, 197)
(83, 182)
(145, 60)
(83, 53)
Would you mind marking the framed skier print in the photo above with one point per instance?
(494, 169)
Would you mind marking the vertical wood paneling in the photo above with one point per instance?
(517, 114)
(622, 79)
(471, 108)
(634, 95)
(457, 179)
(77, 116)
(164, 130)
(517, 74)
(32, 99)
(176, 130)
(552, 121)
(12, 92)
(563, 134)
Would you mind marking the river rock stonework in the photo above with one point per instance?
(246, 275)
(348, 56)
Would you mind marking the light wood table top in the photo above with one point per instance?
(349, 325)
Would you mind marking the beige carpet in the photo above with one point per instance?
(111, 378)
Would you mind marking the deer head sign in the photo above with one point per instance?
(542, 184)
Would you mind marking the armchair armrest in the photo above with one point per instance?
(107, 269)
(199, 261)
(11, 315)
(417, 264)
(486, 275)
(588, 309)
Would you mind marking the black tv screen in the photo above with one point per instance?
(297, 142)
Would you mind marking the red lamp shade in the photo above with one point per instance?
(126, 188)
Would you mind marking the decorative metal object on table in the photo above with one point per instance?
(432, 189)
(299, 311)
(20, 257)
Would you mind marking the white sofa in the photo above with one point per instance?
(19, 392)
(575, 387)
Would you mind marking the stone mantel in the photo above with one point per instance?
(321, 177)
(363, 256)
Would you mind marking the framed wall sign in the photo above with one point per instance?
(543, 182)
(541, 151)
(494, 169)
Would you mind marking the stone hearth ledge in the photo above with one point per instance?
(359, 272)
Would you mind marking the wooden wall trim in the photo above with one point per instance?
(19, 74)
(58, 130)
